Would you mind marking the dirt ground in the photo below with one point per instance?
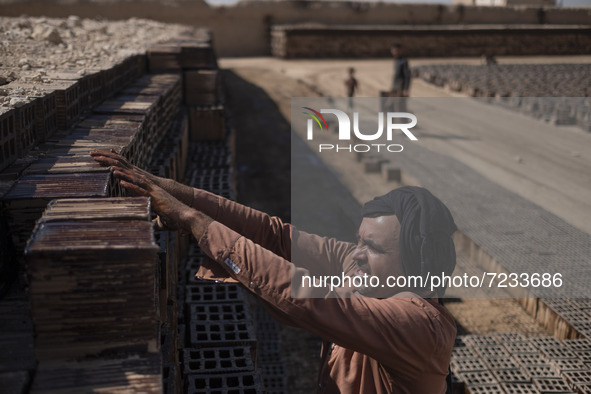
(34, 52)
(259, 97)
(546, 167)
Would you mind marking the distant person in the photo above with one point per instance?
(489, 59)
(352, 85)
(400, 80)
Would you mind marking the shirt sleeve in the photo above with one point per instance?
(399, 333)
(265, 230)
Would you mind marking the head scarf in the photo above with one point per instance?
(426, 226)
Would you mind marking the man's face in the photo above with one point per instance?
(395, 51)
(378, 252)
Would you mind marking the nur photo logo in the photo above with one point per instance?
(387, 124)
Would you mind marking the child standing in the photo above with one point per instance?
(351, 85)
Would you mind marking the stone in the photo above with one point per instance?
(49, 34)
(17, 102)
(74, 21)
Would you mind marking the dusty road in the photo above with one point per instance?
(547, 165)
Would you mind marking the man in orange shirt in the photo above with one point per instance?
(376, 339)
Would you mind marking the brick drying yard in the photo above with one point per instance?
(73, 314)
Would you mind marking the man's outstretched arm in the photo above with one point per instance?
(263, 229)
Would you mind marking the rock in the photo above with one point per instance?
(25, 24)
(53, 36)
(46, 33)
(17, 102)
(74, 21)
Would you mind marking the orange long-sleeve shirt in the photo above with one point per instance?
(400, 344)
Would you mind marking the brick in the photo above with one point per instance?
(215, 360)
(232, 383)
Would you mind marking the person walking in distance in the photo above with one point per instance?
(352, 85)
(400, 87)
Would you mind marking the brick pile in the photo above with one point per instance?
(116, 326)
(512, 363)
(558, 93)
(315, 40)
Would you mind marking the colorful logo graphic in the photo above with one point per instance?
(315, 115)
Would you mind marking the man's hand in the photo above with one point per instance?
(173, 213)
(177, 190)
(111, 159)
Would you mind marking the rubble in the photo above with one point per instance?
(33, 47)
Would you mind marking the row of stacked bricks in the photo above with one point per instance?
(211, 342)
(231, 343)
(219, 349)
(510, 363)
(553, 92)
(59, 105)
(91, 264)
(224, 347)
(67, 171)
(566, 317)
(102, 286)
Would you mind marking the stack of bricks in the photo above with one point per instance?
(8, 138)
(93, 248)
(155, 106)
(109, 245)
(147, 123)
(567, 318)
(131, 125)
(25, 201)
(104, 322)
(269, 359)
(59, 104)
(305, 40)
(220, 341)
(218, 336)
(511, 363)
(517, 80)
(557, 93)
(202, 85)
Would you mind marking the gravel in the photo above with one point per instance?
(32, 49)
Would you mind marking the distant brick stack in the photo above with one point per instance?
(312, 41)
(558, 93)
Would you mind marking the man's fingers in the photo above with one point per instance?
(124, 175)
(101, 152)
(105, 161)
(134, 189)
(99, 155)
(131, 177)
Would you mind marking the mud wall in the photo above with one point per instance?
(294, 41)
